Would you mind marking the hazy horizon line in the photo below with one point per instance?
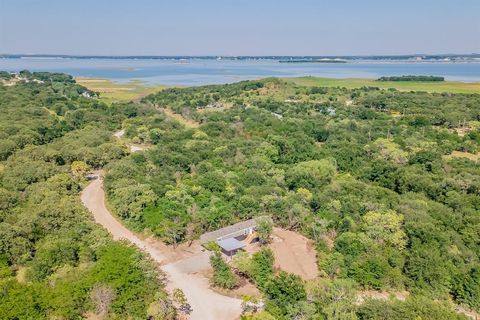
(235, 56)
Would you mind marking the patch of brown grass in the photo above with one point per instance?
(114, 92)
(186, 122)
(21, 275)
(381, 295)
(461, 154)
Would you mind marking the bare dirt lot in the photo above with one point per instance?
(293, 252)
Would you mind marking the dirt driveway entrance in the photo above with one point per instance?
(206, 304)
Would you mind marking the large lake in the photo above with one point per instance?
(200, 71)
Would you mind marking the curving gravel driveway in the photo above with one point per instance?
(206, 304)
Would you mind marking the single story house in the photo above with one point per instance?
(230, 239)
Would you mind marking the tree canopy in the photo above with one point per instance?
(386, 183)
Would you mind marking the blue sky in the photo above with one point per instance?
(239, 27)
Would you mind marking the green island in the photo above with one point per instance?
(413, 78)
(376, 182)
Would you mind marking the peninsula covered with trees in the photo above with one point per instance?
(385, 183)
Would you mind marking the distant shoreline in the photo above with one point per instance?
(280, 58)
(135, 88)
(214, 71)
(312, 61)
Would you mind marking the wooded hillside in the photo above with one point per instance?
(386, 183)
(55, 262)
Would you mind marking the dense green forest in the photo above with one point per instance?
(366, 173)
(372, 176)
(55, 263)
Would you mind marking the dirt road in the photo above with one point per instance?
(205, 303)
(133, 147)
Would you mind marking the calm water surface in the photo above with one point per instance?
(200, 72)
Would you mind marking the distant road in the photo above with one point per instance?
(206, 304)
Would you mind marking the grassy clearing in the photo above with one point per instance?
(111, 92)
(446, 86)
(132, 91)
(186, 122)
(460, 154)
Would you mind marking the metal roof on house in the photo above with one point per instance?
(232, 231)
(230, 244)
